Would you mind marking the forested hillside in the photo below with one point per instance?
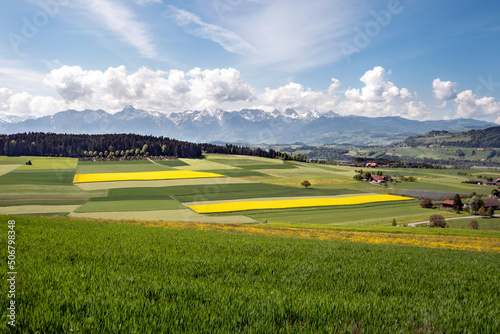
(474, 139)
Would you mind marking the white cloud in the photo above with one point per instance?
(194, 25)
(160, 90)
(416, 110)
(295, 96)
(444, 90)
(377, 89)
(145, 2)
(294, 35)
(468, 105)
(122, 21)
(213, 87)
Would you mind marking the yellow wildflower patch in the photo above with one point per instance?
(402, 239)
(294, 203)
(143, 176)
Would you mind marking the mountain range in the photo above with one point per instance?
(247, 126)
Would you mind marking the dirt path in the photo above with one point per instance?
(156, 162)
(454, 218)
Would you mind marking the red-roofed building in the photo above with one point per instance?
(380, 178)
(448, 204)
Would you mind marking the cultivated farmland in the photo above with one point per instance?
(236, 244)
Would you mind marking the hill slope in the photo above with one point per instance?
(489, 137)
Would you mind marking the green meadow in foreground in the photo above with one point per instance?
(89, 277)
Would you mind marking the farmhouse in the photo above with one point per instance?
(448, 204)
(371, 165)
(380, 178)
(491, 202)
(494, 183)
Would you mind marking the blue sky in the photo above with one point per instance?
(416, 59)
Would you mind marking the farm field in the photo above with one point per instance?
(259, 182)
(81, 276)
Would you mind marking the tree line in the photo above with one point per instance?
(113, 146)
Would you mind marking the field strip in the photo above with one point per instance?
(24, 209)
(4, 169)
(183, 215)
(160, 183)
(295, 203)
(42, 199)
(400, 239)
(275, 199)
(143, 176)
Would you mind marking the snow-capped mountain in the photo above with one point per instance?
(252, 126)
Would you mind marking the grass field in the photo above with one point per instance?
(130, 205)
(41, 176)
(492, 224)
(78, 276)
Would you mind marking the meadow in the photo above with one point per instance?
(90, 276)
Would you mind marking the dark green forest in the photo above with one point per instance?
(117, 146)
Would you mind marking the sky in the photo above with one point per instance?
(420, 60)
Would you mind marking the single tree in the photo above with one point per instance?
(481, 211)
(495, 193)
(490, 212)
(474, 225)
(426, 203)
(437, 221)
(474, 204)
(367, 175)
(305, 184)
(394, 222)
(457, 203)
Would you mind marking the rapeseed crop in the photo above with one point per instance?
(294, 203)
(143, 176)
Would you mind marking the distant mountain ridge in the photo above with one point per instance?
(247, 126)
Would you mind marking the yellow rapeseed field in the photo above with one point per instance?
(294, 203)
(143, 176)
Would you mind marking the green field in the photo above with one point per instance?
(490, 224)
(77, 276)
(129, 205)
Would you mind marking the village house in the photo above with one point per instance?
(494, 183)
(380, 178)
(491, 202)
(371, 165)
(448, 204)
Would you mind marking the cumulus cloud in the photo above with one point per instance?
(377, 89)
(172, 90)
(444, 90)
(214, 87)
(468, 105)
(295, 96)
